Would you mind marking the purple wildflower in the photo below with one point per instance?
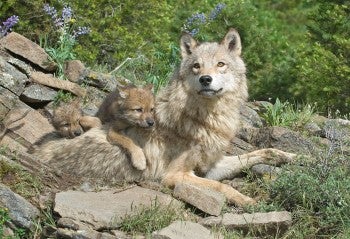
(81, 31)
(216, 11)
(52, 12)
(67, 13)
(197, 18)
(8, 24)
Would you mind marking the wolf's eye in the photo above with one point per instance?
(139, 110)
(220, 64)
(65, 124)
(196, 66)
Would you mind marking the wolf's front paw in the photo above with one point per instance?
(138, 159)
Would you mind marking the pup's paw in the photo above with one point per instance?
(138, 159)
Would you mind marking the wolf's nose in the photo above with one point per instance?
(150, 122)
(205, 80)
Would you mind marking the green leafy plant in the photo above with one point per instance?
(286, 114)
(62, 96)
(67, 36)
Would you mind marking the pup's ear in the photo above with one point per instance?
(187, 44)
(149, 87)
(123, 92)
(232, 41)
(76, 102)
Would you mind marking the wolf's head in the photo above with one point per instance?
(66, 119)
(136, 106)
(211, 69)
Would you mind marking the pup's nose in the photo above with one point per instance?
(205, 80)
(77, 133)
(150, 122)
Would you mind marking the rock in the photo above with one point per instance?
(21, 212)
(185, 230)
(20, 65)
(249, 117)
(69, 223)
(248, 134)
(83, 234)
(123, 235)
(105, 209)
(283, 139)
(313, 129)
(103, 81)
(49, 80)
(75, 71)
(36, 93)
(28, 50)
(26, 125)
(236, 182)
(11, 78)
(270, 222)
(264, 169)
(239, 146)
(208, 201)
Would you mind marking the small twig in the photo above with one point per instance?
(118, 67)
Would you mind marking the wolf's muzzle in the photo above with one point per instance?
(205, 80)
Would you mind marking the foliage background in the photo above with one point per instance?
(294, 50)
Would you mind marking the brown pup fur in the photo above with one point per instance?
(127, 107)
(70, 122)
(197, 115)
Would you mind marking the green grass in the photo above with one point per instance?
(287, 114)
(19, 180)
(150, 219)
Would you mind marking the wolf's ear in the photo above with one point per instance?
(123, 92)
(232, 41)
(149, 87)
(187, 44)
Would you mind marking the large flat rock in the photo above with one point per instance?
(185, 230)
(28, 50)
(105, 209)
(270, 222)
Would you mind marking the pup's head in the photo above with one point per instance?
(66, 119)
(211, 69)
(136, 106)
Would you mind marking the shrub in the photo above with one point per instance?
(317, 192)
(323, 64)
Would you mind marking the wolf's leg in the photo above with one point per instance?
(231, 194)
(230, 166)
(88, 122)
(138, 158)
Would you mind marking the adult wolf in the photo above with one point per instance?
(197, 116)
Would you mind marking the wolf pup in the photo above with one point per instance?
(70, 122)
(127, 107)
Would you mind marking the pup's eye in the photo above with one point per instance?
(196, 66)
(139, 110)
(152, 110)
(220, 64)
(65, 125)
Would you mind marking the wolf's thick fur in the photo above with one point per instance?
(197, 116)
